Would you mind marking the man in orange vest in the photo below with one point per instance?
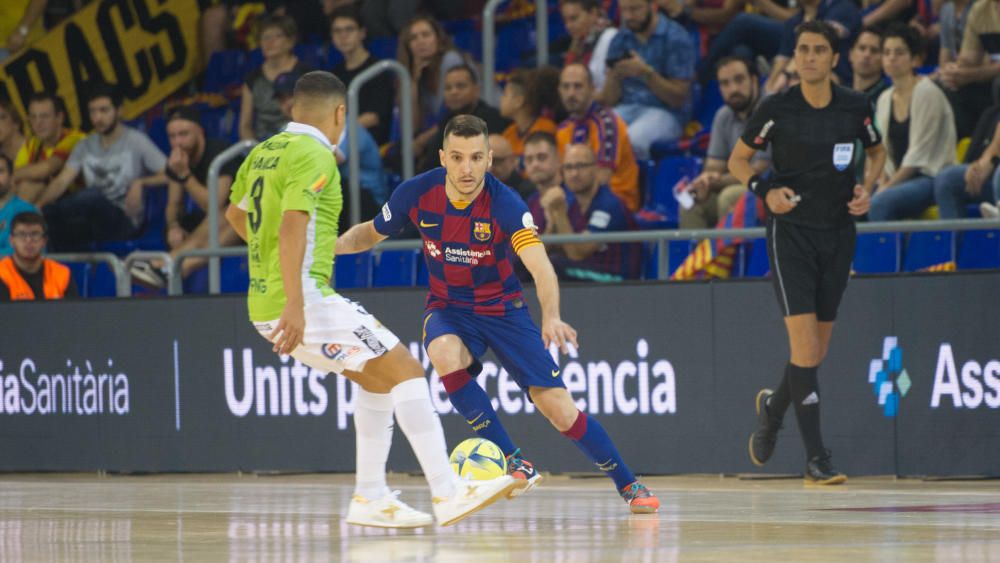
(26, 275)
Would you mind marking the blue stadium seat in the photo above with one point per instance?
(979, 250)
(234, 274)
(466, 37)
(668, 172)
(422, 275)
(755, 263)
(708, 103)
(514, 40)
(395, 268)
(877, 253)
(383, 47)
(927, 249)
(353, 270)
(226, 69)
(678, 251)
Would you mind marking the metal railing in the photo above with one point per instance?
(239, 149)
(405, 122)
(175, 282)
(662, 238)
(490, 44)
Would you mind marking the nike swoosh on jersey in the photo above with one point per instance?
(473, 421)
(426, 225)
(555, 373)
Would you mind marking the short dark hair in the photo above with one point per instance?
(466, 126)
(57, 102)
(874, 30)
(466, 68)
(320, 84)
(541, 137)
(101, 90)
(349, 13)
(914, 42)
(751, 69)
(586, 69)
(28, 218)
(283, 23)
(818, 27)
(8, 161)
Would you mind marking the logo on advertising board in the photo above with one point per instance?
(888, 378)
(80, 388)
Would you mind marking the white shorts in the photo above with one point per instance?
(340, 335)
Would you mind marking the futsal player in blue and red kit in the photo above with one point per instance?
(472, 225)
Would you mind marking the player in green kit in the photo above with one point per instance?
(286, 200)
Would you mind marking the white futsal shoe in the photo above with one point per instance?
(386, 512)
(471, 496)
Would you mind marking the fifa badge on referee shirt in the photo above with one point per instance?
(482, 231)
(843, 154)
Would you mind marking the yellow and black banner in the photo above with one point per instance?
(144, 48)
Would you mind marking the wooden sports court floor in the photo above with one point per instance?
(77, 517)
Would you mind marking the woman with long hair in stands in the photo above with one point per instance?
(426, 50)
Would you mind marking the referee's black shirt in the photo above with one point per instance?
(813, 150)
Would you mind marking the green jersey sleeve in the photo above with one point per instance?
(308, 173)
(238, 191)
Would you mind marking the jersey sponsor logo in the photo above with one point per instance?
(386, 213)
(870, 127)
(555, 373)
(465, 255)
(334, 351)
(371, 341)
(600, 219)
(432, 249)
(319, 184)
(765, 130)
(424, 225)
(482, 230)
(843, 154)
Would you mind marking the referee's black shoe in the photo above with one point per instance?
(819, 471)
(764, 438)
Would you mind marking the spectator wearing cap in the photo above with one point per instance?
(117, 164)
(26, 275)
(260, 116)
(374, 190)
(191, 154)
(376, 98)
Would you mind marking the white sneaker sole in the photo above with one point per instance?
(373, 524)
(495, 497)
(522, 486)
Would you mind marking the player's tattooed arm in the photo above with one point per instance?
(359, 238)
(554, 329)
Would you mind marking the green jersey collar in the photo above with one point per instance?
(303, 129)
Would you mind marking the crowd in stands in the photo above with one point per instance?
(629, 81)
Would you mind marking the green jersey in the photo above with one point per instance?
(293, 170)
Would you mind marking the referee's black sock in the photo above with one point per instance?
(804, 389)
(777, 405)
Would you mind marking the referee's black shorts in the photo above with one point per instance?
(810, 267)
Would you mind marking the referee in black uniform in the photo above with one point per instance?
(812, 200)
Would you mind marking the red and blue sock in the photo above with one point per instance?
(594, 442)
(474, 404)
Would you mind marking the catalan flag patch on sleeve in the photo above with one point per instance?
(318, 185)
(523, 239)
